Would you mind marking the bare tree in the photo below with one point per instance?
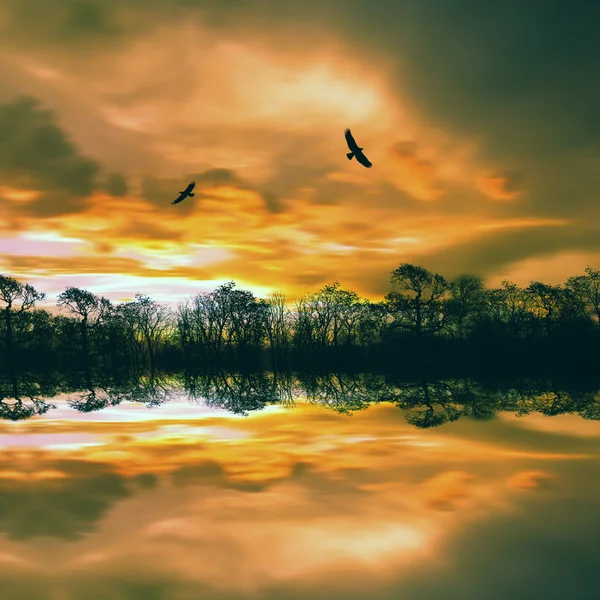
(417, 302)
(548, 303)
(17, 298)
(277, 319)
(586, 293)
(89, 309)
(151, 321)
(466, 301)
(510, 309)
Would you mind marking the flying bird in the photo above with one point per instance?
(356, 152)
(187, 192)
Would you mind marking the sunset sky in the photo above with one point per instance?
(481, 120)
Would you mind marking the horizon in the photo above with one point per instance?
(485, 162)
(49, 302)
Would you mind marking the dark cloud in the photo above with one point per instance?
(147, 230)
(228, 177)
(211, 473)
(516, 76)
(218, 177)
(162, 191)
(147, 481)
(513, 180)
(63, 508)
(310, 278)
(499, 249)
(95, 25)
(36, 154)
(116, 185)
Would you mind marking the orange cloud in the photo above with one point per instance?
(529, 480)
(445, 489)
(280, 206)
(555, 268)
(416, 175)
(498, 187)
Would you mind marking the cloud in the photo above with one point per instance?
(260, 124)
(416, 175)
(491, 253)
(530, 480)
(35, 153)
(442, 491)
(208, 184)
(64, 508)
(116, 185)
(211, 473)
(500, 186)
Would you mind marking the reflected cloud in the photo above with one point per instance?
(444, 489)
(369, 496)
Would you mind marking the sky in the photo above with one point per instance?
(181, 501)
(481, 120)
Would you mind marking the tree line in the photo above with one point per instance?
(424, 317)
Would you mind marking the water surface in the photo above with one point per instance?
(184, 501)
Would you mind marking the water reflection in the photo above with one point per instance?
(260, 486)
(424, 403)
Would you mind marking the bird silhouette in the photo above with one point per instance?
(356, 152)
(185, 193)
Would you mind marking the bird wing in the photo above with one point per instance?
(363, 160)
(191, 186)
(178, 200)
(350, 140)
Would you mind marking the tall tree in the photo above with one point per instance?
(17, 298)
(277, 318)
(90, 310)
(465, 302)
(509, 310)
(548, 303)
(417, 300)
(586, 293)
(151, 322)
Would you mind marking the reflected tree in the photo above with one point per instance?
(342, 393)
(23, 398)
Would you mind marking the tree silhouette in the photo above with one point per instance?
(13, 294)
(276, 323)
(417, 302)
(424, 321)
(465, 303)
(91, 311)
(586, 290)
(146, 323)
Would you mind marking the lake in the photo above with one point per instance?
(312, 497)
